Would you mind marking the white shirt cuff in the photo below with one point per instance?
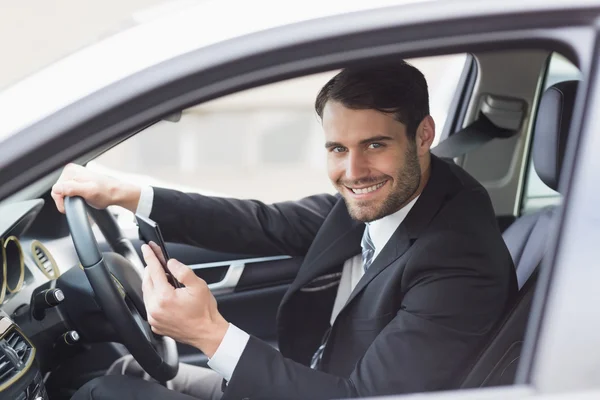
(229, 352)
(144, 207)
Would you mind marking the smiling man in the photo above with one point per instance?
(376, 174)
(421, 272)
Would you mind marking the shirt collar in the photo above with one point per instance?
(382, 229)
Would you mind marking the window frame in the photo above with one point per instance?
(459, 105)
(529, 169)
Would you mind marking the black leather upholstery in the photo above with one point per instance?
(553, 122)
(497, 364)
(526, 239)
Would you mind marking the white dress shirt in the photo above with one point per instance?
(235, 340)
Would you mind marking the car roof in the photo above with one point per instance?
(156, 41)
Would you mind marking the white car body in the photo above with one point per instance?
(180, 32)
(150, 43)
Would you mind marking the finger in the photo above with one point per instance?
(147, 285)
(158, 252)
(57, 193)
(68, 172)
(74, 188)
(151, 318)
(58, 200)
(155, 270)
(183, 273)
(154, 312)
(156, 330)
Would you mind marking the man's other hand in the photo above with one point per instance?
(99, 191)
(189, 314)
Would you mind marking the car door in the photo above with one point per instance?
(561, 342)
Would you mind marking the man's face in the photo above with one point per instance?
(370, 161)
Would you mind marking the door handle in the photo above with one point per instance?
(234, 272)
(230, 281)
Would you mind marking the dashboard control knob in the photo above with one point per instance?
(71, 337)
(53, 297)
(67, 342)
(46, 299)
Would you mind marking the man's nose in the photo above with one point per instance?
(357, 166)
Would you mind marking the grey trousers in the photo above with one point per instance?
(126, 380)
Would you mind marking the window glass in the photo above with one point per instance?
(537, 195)
(264, 143)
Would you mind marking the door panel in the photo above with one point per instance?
(234, 275)
(269, 273)
(190, 255)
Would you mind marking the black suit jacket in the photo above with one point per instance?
(413, 322)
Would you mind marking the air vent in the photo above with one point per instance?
(44, 260)
(7, 368)
(16, 356)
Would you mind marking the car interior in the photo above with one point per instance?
(507, 125)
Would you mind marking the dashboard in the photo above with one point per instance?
(13, 267)
(26, 262)
(54, 336)
(18, 258)
(28, 268)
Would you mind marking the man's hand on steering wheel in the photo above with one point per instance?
(115, 277)
(189, 314)
(99, 191)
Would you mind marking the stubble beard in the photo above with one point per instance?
(407, 180)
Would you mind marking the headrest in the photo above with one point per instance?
(551, 130)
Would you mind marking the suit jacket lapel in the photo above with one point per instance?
(338, 240)
(393, 249)
(424, 210)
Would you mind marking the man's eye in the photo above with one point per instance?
(375, 145)
(338, 149)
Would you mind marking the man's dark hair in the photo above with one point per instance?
(397, 88)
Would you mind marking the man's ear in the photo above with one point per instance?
(425, 135)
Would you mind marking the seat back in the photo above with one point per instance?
(526, 240)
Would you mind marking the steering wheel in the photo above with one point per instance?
(117, 285)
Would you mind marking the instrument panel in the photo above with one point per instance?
(16, 273)
(13, 267)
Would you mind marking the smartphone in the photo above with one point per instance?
(150, 233)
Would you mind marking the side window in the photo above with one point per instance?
(264, 143)
(537, 195)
